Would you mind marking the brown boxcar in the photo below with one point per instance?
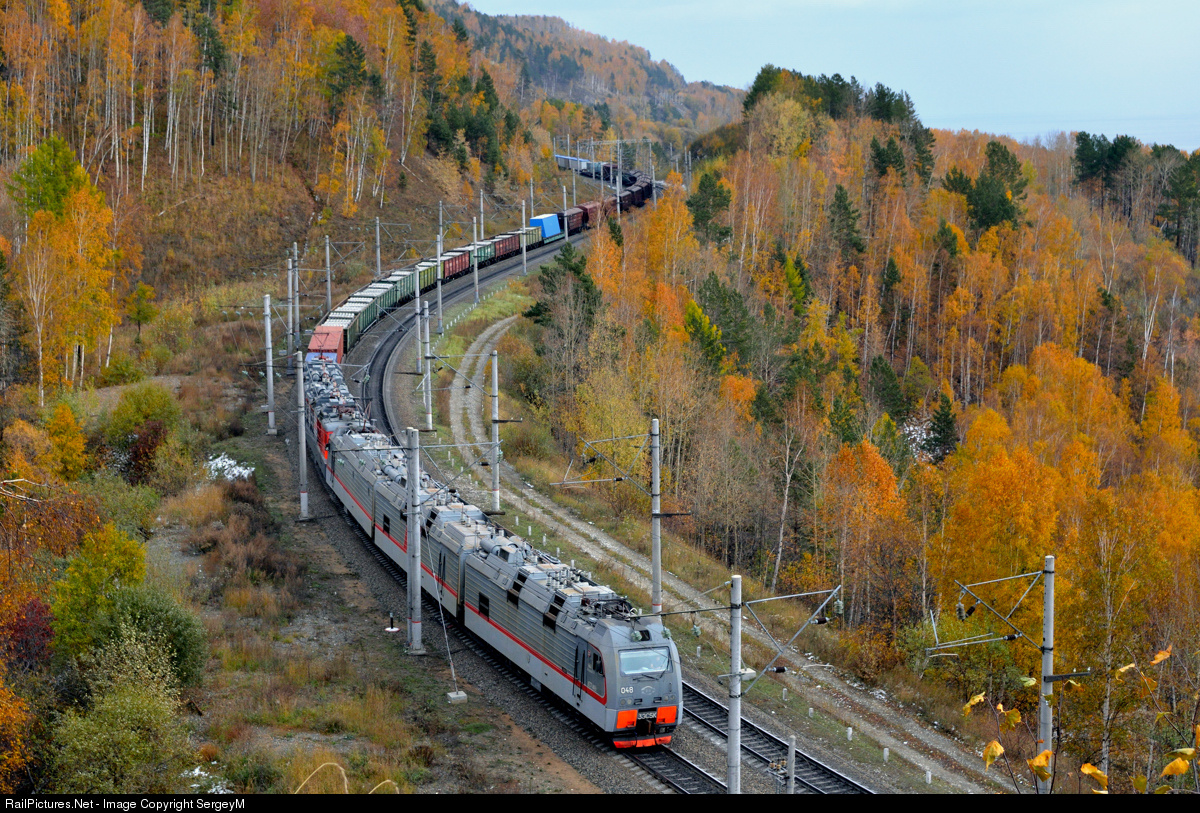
(455, 263)
(574, 220)
(507, 245)
(591, 214)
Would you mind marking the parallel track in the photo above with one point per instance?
(676, 772)
(668, 767)
(812, 776)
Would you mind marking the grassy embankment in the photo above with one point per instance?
(533, 453)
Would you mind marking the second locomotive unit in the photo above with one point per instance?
(574, 637)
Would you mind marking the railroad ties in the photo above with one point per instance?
(812, 776)
(675, 772)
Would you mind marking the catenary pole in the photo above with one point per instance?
(378, 252)
(524, 240)
(733, 772)
(655, 519)
(413, 541)
(475, 259)
(1045, 713)
(296, 296)
(440, 248)
(271, 430)
(290, 348)
(495, 432)
(328, 278)
(302, 459)
(428, 377)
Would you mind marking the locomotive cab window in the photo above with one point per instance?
(644, 661)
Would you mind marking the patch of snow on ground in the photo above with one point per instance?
(225, 467)
(207, 783)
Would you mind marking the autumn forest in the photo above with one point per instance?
(883, 356)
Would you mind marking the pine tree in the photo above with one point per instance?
(705, 334)
(885, 386)
(843, 225)
(796, 275)
(707, 204)
(943, 432)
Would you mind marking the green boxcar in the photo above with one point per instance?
(403, 281)
(484, 251)
(385, 294)
(428, 274)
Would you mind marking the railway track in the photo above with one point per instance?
(666, 766)
(669, 768)
(812, 776)
(675, 772)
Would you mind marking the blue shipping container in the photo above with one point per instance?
(548, 224)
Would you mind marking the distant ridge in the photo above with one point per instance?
(621, 80)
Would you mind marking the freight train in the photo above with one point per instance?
(574, 637)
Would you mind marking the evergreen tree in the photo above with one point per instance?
(460, 30)
(843, 420)
(795, 273)
(843, 225)
(705, 334)
(943, 432)
(706, 205)
(614, 232)
(922, 141)
(566, 277)
(885, 386)
(889, 157)
(740, 331)
(891, 278)
(487, 87)
(958, 182)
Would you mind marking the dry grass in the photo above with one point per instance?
(306, 671)
(246, 651)
(323, 770)
(199, 506)
(252, 601)
(372, 715)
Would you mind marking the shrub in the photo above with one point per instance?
(139, 404)
(130, 740)
(154, 613)
(175, 466)
(68, 442)
(146, 440)
(130, 508)
(107, 560)
(14, 724)
(25, 638)
(121, 369)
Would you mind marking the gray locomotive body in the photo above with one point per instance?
(575, 638)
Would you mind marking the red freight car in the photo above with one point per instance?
(591, 214)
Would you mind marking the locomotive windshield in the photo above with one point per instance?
(645, 661)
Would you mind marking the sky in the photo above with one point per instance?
(1025, 68)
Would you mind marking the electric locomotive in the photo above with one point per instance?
(574, 637)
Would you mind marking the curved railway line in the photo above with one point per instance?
(672, 770)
